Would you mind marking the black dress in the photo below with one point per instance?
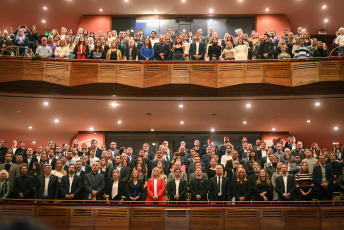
(263, 187)
(214, 51)
(241, 189)
(178, 53)
(113, 55)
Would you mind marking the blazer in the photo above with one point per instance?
(82, 185)
(317, 176)
(162, 48)
(75, 189)
(198, 188)
(160, 190)
(24, 185)
(108, 56)
(96, 182)
(241, 189)
(139, 189)
(5, 189)
(124, 174)
(182, 190)
(213, 192)
(280, 188)
(122, 190)
(201, 49)
(53, 187)
(13, 173)
(134, 53)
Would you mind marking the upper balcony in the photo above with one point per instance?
(187, 78)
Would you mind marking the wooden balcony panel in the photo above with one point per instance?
(272, 218)
(107, 73)
(111, 218)
(81, 218)
(206, 218)
(303, 73)
(177, 219)
(241, 218)
(130, 74)
(254, 73)
(11, 70)
(329, 71)
(341, 70)
(156, 75)
(180, 74)
(147, 218)
(33, 70)
(204, 75)
(277, 73)
(230, 74)
(332, 218)
(57, 72)
(83, 73)
(53, 217)
(302, 218)
(11, 213)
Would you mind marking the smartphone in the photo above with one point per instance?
(22, 26)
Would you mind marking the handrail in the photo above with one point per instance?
(335, 49)
(17, 48)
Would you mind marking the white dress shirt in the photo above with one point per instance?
(114, 189)
(220, 191)
(46, 184)
(155, 187)
(285, 179)
(177, 186)
(70, 183)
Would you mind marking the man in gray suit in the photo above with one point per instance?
(11, 168)
(94, 183)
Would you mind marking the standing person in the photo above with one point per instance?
(5, 185)
(115, 189)
(155, 188)
(11, 168)
(178, 49)
(23, 184)
(266, 49)
(241, 187)
(219, 186)
(94, 183)
(135, 186)
(131, 52)
(263, 187)
(323, 177)
(81, 50)
(198, 48)
(113, 53)
(22, 42)
(304, 183)
(285, 185)
(241, 50)
(177, 188)
(47, 185)
(70, 184)
(198, 187)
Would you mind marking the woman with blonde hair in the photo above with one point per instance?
(62, 51)
(241, 189)
(155, 188)
(59, 171)
(263, 188)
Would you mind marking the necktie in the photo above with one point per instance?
(218, 184)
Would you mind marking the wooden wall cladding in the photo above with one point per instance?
(149, 75)
(237, 218)
(206, 218)
(332, 218)
(302, 218)
(53, 217)
(147, 218)
(177, 219)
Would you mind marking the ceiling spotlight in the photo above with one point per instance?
(30, 127)
(152, 130)
(244, 122)
(126, 0)
(308, 121)
(181, 122)
(273, 129)
(324, 7)
(91, 129)
(211, 11)
(34, 142)
(56, 121)
(248, 105)
(335, 128)
(267, 9)
(45, 8)
(183, 0)
(113, 104)
(155, 11)
(43, 21)
(326, 20)
(317, 103)
(153, 143)
(101, 10)
(45, 103)
(181, 106)
(212, 130)
(119, 122)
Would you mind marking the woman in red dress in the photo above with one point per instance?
(81, 49)
(155, 188)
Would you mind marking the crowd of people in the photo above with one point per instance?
(183, 46)
(204, 173)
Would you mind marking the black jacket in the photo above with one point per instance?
(213, 192)
(139, 189)
(201, 50)
(182, 190)
(198, 187)
(122, 190)
(162, 48)
(75, 189)
(291, 187)
(53, 187)
(266, 47)
(134, 53)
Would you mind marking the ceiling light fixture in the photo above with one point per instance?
(45, 103)
(267, 9)
(212, 130)
(152, 130)
(183, 0)
(324, 7)
(56, 121)
(155, 11)
(211, 11)
(126, 0)
(113, 104)
(33, 142)
(101, 10)
(181, 106)
(181, 122)
(326, 20)
(153, 143)
(44, 21)
(119, 122)
(91, 128)
(244, 122)
(335, 128)
(45, 8)
(273, 129)
(248, 105)
(308, 121)
(30, 127)
(317, 104)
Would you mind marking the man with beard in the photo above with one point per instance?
(23, 184)
(70, 184)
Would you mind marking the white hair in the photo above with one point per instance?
(4, 171)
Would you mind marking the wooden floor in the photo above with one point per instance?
(184, 217)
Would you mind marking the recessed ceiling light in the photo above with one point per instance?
(56, 121)
(181, 106)
(273, 129)
(155, 11)
(212, 130)
(211, 11)
(101, 10)
(308, 121)
(18, 111)
(334, 143)
(326, 20)
(240, 0)
(34, 142)
(114, 95)
(91, 128)
(317, 104)
(183, 0)
(113, 104)
(267, 9)
(43, 21)
(45, 8)
(152, 130)
(181, 122)
(244, 122)
(30, 127)
(126, 0)
(324, 7)
(45, 103)
(335, 128)
(119, 122)
(153, 143)
(248, 105)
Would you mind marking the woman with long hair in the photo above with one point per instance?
(211, 172)
(241, 189)
(22, 41)
(147, 51)
(155, 188)
(304, 183)
(62, 51)
(113, 53)
(135, 186)
(59, 171)
(98, 51)
(81, 50)
(241, 50)
(35, 172)
(178, 49)
(263, 188)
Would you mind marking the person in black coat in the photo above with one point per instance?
(135, 187)
(263, 188)
(198, 187)
(323, 187)
(289, 194)
(81, 174)
(124, 171)
(266, 49)
(94, 184)
(214, 50)
(162, 50)
(241, 187)
(321, 50)
(182, 188)
(23, 184)
(116, 189)
(53, 185)
(131, 52)
(70, 192)
(219, 186)
(201, 48)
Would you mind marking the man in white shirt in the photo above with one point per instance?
(177, 188)
(44, 51)
(285, 185)
(227, 156)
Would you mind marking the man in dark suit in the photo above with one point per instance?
(3, 150)
(86, 168)
(123, 171)
(94, 145)
(197, 48)
(222, 149)
(252, 180)
(219, 186)
(47, 192)
(70, 184)
(285, 185)
(241, 146)
(162, 50)
(81, 174)
(23, 184)
(198, 187)
(323, 177)
(51, 158)
(94, 183)
(142, 37)
(230, 164)
(30, 159)
(178, 187)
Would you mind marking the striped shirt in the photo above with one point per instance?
(301, 52)
(304, 180)
(284, 55)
